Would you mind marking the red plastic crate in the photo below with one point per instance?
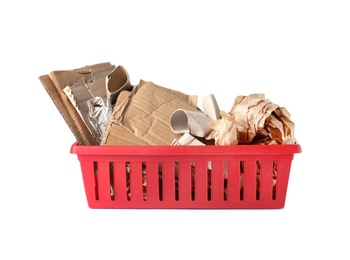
(215, 177)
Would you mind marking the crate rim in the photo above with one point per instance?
(78, 149)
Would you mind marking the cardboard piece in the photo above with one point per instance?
(71, 89)
(143, 116)
(55, 82)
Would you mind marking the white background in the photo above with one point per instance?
(296, 52)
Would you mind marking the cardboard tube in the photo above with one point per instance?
(118, 80)
(193, 122)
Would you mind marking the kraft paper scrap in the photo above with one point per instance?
(253, 120)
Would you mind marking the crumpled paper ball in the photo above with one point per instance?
(253, 120)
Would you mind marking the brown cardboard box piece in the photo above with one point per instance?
(55, 82)
(145, 113)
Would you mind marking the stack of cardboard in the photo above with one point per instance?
(102, 107)
(54, 84)
(140, 114)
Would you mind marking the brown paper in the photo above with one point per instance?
(253, 120)
(224, 130)
(261, 121)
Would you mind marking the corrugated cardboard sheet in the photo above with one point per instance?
(145, 113)
(55, 82)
